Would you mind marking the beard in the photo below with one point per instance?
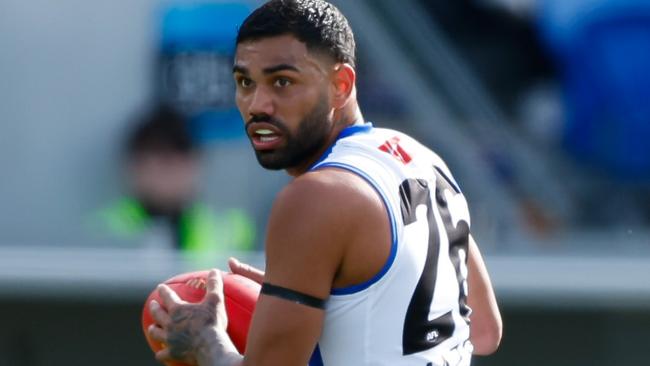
(310, 137)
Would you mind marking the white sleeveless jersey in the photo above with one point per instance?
(414, 312)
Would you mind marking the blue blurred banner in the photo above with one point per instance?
(195, 65)
(602, 48)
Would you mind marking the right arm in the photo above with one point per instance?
(305, 245)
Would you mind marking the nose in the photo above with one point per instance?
(261, 103)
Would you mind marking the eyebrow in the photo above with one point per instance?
(239, 69)
(266, 71)
(280, 67)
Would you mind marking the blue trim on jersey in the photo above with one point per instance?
(393, 230)
(348, 131)
(354, 129)
(316, 358)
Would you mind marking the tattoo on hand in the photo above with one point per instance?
(185, 329)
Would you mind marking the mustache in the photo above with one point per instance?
(267, 119)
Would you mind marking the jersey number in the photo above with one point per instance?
(420, 333)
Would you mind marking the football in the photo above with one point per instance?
(240, 294)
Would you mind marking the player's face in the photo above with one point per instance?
(282, 94)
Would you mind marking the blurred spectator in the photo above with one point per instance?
(163, 166)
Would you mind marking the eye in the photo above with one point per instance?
(282, 82)
(245, 82)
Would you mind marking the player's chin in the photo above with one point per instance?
(270, 159)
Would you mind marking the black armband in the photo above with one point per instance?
(293, 296)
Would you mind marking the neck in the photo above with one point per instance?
(347, 119)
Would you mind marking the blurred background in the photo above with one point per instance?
(123, 161)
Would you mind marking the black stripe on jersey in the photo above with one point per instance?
(451, 183)
(293, 296)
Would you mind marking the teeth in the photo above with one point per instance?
(264, 132)
(268, 138)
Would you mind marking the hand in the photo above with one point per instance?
(191, 332)
(246, 270)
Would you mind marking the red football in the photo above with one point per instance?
(240, 294)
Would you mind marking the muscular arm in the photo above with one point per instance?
(321, 229)
(312, 225)
(282, 332)
(486, 326)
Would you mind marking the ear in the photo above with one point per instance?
(343, 84)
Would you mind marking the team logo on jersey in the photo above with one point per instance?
(392, 147)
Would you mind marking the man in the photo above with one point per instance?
(368, 251)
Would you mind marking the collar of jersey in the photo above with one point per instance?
(347, 132)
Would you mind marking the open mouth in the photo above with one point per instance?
(264, 136)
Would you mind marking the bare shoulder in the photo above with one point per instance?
(330, 202)
(329, 189)
(320, 226)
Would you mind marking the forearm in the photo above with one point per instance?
(218, 350)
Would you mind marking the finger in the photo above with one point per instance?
(157, 334)
(246, 270)
(169, 297)
(214, 288)
(159, 315)
(163, 355)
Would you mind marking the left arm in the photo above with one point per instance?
(486, 326)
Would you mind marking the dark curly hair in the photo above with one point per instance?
(317, 23)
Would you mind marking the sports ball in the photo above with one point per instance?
(240, 294)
